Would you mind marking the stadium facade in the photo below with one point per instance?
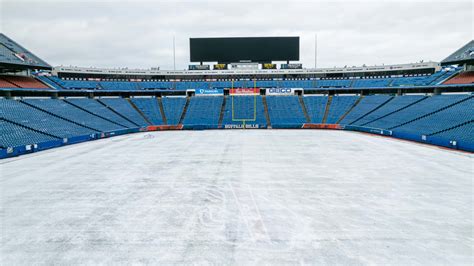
(44, 107)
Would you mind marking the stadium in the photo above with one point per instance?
(237, 159)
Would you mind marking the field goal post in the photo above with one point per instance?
(234, 106)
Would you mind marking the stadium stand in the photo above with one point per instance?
(149, 107)
(118, 85)
(21, 82)
(285, 111)
(396, 104)
(368, 82)
(365, 106)
(123, 107)
(248, 108)
(463, 133)
(126, 103)
(173, 108)
(462, 78)
(153, 85)
(71, 84)
(6, 84)
(40, 121)
(316, 105)
(72, 113)
(445, 118)
(425, 107)
(439, 119)
(203, 111)
(340, 105)
(14, 135)
(334, 83)
(95, 107)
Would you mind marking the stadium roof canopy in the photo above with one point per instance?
(15, 57)
(463, 55)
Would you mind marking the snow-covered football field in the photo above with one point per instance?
(238, 197)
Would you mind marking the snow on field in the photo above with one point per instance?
(238, 197)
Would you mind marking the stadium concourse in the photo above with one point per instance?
(238, 196)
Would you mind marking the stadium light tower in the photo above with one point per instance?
(315, 50)
(174, 54)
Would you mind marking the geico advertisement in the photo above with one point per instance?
(280, 91)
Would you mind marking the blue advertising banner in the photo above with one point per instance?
(214, 91)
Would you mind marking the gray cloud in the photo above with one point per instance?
(139, 34)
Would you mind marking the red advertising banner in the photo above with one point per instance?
(244, 91)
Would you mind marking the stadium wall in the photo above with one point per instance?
(26, 149)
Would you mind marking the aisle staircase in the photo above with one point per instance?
(185, 109)
(326, 111)
(303, 107)
(267, 116)
(139, 111)
(348, 111)
(162, 110)
(221, 114)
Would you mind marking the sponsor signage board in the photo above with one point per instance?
(269, 66)
(220, 66)
(241, 126)
(213, 91)
(292, 66)
(199, 67)
(280, 91)
(244, 91)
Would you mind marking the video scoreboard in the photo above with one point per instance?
(244, 49)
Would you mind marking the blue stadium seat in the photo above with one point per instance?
(339, 106)
(173, 107)
(14, 135)
(95, 107)
(394, 105)
(72, 113)
(333, 83)
(285, 111)
(365, 106)
(124, 108)
(249, 108)
(444, 119)
(316, 106)
(41, 121)
(464, 135)
(370, 83)
(203, 111)
(149, 107)
(119, 85)
(424, 107)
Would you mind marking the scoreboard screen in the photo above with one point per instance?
(244, 49)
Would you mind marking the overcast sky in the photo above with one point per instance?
(139, 34)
